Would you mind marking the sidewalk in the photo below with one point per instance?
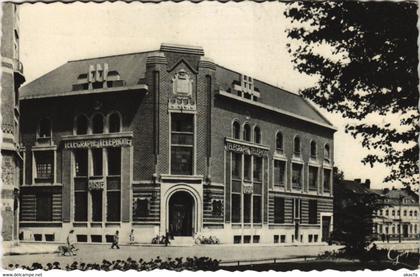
(28, 248)
(32, 248)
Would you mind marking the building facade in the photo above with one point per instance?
(399, 219)
(11, 161)
(169, 141)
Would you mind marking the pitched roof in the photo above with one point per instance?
(132, 67)
(273, 96)
(59, 81)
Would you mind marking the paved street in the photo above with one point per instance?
(96, 253)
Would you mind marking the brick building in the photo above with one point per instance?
(11, 79)
(167, 140)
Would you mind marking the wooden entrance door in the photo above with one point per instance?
(180, 214)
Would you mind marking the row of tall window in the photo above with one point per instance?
(246, 205)
(395, 229)
(397, 212)
(111, 192)
(245, 134)
(298, 177)
(96, 124)
(280, 210)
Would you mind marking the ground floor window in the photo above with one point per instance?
(278, 210)
(80, 203)
(44, 207)
(96, 205)
(256, 208)
(247, 208)
(312, 213)
(236, 207)
(297, 208)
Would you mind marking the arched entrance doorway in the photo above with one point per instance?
(181, 207)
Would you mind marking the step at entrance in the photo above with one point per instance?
(182, 241)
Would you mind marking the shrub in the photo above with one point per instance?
(177, 264)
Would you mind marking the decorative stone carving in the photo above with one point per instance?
(248, 188)
(96, 184)
(182, 104)
(182, 84)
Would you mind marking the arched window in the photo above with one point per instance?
(44, 128)
(81, 125)
(327, 153)
(257, 134)
(97, 124)
(236, 130)
(296, 145)
(279, 141)
(247, 132)
(313, 149)
(114, 123)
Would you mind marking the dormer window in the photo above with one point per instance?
(44, 129)
(313, 149)
(257, 134)
(247, 132)
(81, 125)
(114, 123)
(97, 124)
(236, 130)
(327, 153)
(296, 146)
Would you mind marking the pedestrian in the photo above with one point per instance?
(115, 239)
(131, 237)
(71, 240)
(167, 236)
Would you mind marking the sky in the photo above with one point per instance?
(246, 37)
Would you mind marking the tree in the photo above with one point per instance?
(354, 208)
(365, 56)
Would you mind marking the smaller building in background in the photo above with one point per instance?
(399, 218)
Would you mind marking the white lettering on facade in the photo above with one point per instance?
(98, 143)
(246, 149)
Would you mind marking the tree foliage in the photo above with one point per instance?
(365, 55)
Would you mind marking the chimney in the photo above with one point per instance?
(358, 180)
(367, 183)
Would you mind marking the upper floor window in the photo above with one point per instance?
(44, 164)
(296, 146)
(114, 123)
(81, 125)
(247, 132)
(257, 134)
(182, 143)
(411, 213)
(313, 149)
(415, 213)
(97, 124)
(327, 153)
(236, 130)
(279, 141)
(44, 129)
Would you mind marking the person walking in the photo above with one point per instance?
(131, 237)
(167, 236)
(115, 240)
(71, 240)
